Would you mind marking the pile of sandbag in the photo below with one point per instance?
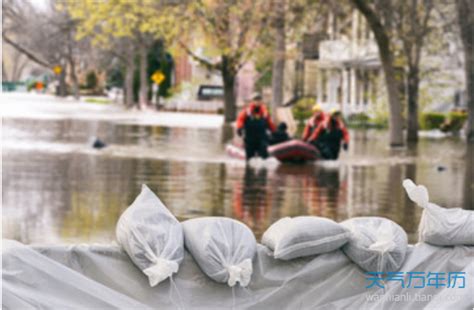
(374, 243)
(155, 240)
(224, 248)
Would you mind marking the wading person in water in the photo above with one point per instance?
(280, 135)
(329, 136)
(253, 124)
(318, 118)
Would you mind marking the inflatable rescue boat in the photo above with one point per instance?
(295, 151)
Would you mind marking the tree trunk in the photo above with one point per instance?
(62, 87)
(75, 83)
(143, 93)
(469, 90)
(465, 10)
(469, 178)
(412, 117)
(395, 108)
(21, 68)
(391, 82)
(128, 86)
(278, 69)
(4, 73)
(16, 60)
(228, 78)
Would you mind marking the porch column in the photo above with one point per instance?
(319, 82)
(369, 88)
(345, 91)
(353, 87)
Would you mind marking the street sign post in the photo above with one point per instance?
(57, 70)
(158, 77)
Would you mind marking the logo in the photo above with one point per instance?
(415, 279)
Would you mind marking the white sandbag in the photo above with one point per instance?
(377, 244)
(151, 236)
(440, 226)
(222, 247)
(301, 236)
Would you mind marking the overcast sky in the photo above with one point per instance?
(41, 4)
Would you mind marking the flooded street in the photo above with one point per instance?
(57, 189)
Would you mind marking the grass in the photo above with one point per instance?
(98, 100)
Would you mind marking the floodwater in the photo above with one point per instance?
(57, 189)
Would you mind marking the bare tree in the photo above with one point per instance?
(16, 65)
(465, 13)
(412, 19)
(45, 37)
(278, 70)
(234, 29)
(290, 21)
(378, 16)
(145, 41)
(15, 23)
(121, 52)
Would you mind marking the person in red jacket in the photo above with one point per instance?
(329, 135)
(253, 123)
(318, 117)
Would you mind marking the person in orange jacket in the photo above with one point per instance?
(318, 117)
(252, 124)
(329, 135)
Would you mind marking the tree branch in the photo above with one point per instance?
(202, 61)
(380, 32)
(24, 51)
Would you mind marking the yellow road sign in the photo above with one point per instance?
(158, 77)
(57, 69)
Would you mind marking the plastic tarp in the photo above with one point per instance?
(103, 276)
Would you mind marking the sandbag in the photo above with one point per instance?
(222, 247)
(440, 226)
(301, 236)
(151, 236)
(377, 244)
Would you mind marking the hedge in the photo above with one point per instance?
(432, 120)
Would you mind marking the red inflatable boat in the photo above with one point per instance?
(290, 151)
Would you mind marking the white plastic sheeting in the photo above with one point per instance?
(301, 236)
(438, 225)
(152, 236)
(101, 277)
(34, 281)
(222, 247)
(377, 244)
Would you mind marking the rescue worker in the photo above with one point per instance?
(318, 117)
(253, 123)
(329, 135)
(280, 135)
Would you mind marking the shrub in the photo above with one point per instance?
(98, 100)
(379, 121)
(457, 119)
(91, 80)
(31, 85)
(454, 122)
(360, 118)
(302, 109)
(431, 120)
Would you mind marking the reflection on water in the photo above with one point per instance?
(56, 189)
